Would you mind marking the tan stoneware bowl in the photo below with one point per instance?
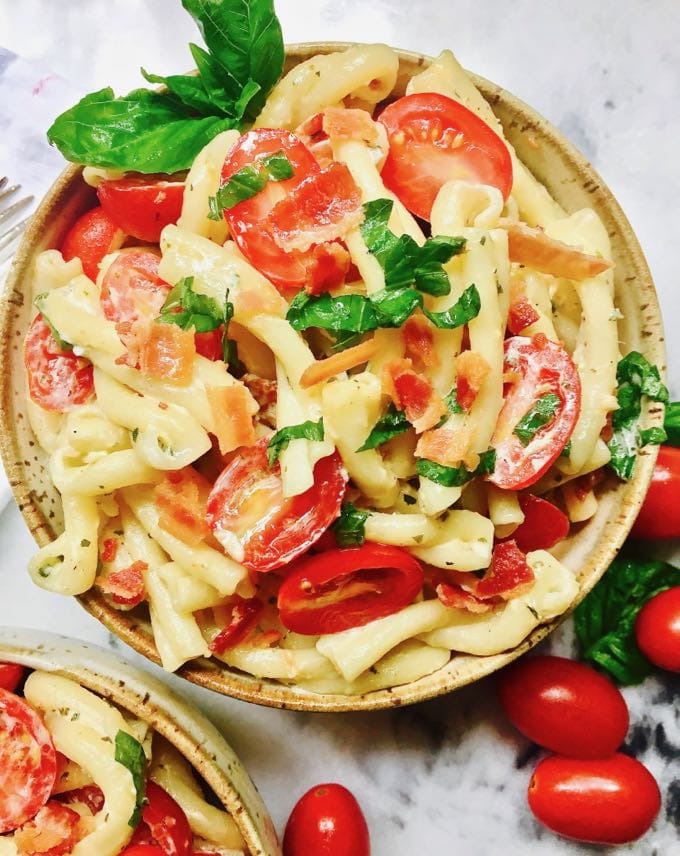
(147, 698)
(589, 549)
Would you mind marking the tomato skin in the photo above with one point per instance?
(132, 289)
(163, 823)
(564, 706)
(426, 150)
(327, 821)
(536, 363)
(387, 579)
(659, 516)
(657, 629)
(91, 237)
(607, 801)
(11, 675)
(143, 850)
(246, 503)
(140, 207)
(544, 525)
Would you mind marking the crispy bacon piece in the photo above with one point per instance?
(533, 248)
(327, 268)
(350, 124)
(264, 393)
(109, 549)
(445, 446)
(125, 586)
(168, 353)
(54, 831)
(413, 394)
(230, 407)
(341, 362)
(455, 597)
(244, 615)
(521, 315)
(323, 207)
(472, 370)
(89, 795)
(312, 134)
(418, 337)
(181, 499)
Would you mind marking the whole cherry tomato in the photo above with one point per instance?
(91, 237)
(657, 629)
(565, 706)
(607, 801)
(327, 821)
(10, 676)
(659, 516)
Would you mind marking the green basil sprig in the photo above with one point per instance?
(248, 182)
(349, 527)
(130, 753)
(304, 431)
(456, 476)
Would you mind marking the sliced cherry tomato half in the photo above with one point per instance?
(544, 525)
(142, 207)
(339, 589)
(10, 676)
(325, 264)
(657, 629)
(534, 364)
(250, 517)
(564, 705)
(659, 516)
(91, 237)
(601, 801)
(434, 139)
(28, 762)
(58, 380)
(327, 821)
(54, 831)
(163, 824)
(132, 290)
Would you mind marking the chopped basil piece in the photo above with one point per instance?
(672, 423)
(636, 377)
(305, 431)
(462, 312)
(130, 753)
(349, 527)
(348, 313)
(39, 303)
(541, 414)
(455, 476)
(391, 424)
(566, 451)
(248, 182)
(393, 308)
(135, 434)
(188, 309)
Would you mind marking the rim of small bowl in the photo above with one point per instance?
(149, 699)
(519, 120)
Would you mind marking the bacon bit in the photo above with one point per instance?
(444, 445)
(54, 831)
(181, 499)
(456, 598)
(264, 393)
(125, 586)
(350, 124)
(418, 337)
(312, 134)
(472, 370)
(413, 394)
(109, 549)
(133, 334)
(230, 406)
(509, 574)
(533, 248)
(265, 640)
(328, 267)
(539, 340)
(583, 485)
(522, 314)
(244, 615)
(168, 354)
(343, 361)
(90, 795)
(323, 207)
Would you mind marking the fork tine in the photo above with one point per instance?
(16, 207)
(9, 191)
(13, 234)
(3, 181)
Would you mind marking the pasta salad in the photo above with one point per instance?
(323, 395)
(79, 776)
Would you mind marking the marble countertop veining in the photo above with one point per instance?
(447, 776)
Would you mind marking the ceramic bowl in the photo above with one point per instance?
(147, 698)
(588, 551)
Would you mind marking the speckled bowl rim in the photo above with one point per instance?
(271, 693)
(149, 699)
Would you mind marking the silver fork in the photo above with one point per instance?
(12, 206)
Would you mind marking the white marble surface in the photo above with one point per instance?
(447, 776)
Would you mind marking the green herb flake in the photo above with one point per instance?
(248, 182)
(130, 753)
(134, 434)
(349, 527)
(605, 620)
(636, 377)
(538, 416)
(305, 431)
(391, 424)
(456, 476)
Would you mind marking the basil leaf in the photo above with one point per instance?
(430, 276)
(39, 303)
(391, 424)
(393, 308)
(351, 313)
(349, 527)
(462, 312)
(244, 37)
(672, 423)
(187, 309)
(455, 476)
(130, 753)
(451, 402)
(345, 339)
(566, 451)
(305, 431)
(538, 416)
(636, 377)
(605, 620)
(248, 182)
(229, 346)
(189, 89)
